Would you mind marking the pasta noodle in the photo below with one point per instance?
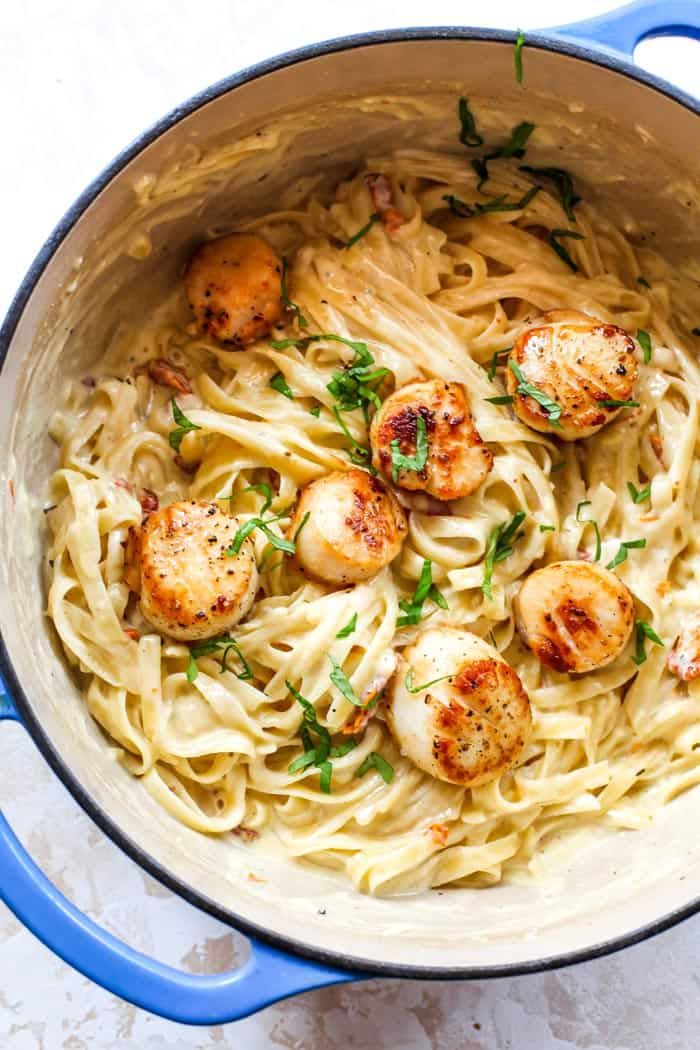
(437, 297)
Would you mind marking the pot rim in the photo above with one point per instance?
(364, 967)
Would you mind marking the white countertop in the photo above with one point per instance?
(78, 80)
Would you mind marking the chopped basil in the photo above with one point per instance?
(503, 399)
(184, 426)
(287, 302)
(556, 467)
(564, 184)
(519, 43)
(644, 340)
(499, 547)
(548, 528)
(425, 590)
(358, 454)
(342, 682)
(561, 251)
(316, 753)
(643, 630)
(279, 383)
(301, 525)
(315, 411)
(375, 761)
(408, 682)
(356, 386)
(613, 403)
(638, 495)
(526, 389)
(417, 461)
(495, 362)
(590, 521)
(515, 146)
(362, 231)
(257, 522)
(463, 210)
(305, 340)
(480, 166)
(622, 552)
(223, 644)
(468, 134)
(643, 281)
(350, 627)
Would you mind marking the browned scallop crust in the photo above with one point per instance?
(575, 616)
(577, 361)
(190, 588)
(234, 287)
(355, 527)
(458, 460)
(481, 733)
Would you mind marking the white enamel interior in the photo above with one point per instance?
(631, 143)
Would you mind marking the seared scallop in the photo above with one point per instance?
(576, 616)
(580, 364)
(191, 588)
(354, 527)
(456, 461)
(684, 658)
(457, 709)
(234, 287)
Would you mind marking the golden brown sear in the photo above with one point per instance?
(234, 287)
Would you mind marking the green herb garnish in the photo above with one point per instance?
(548, 528)
(556, 467)
(358, 454)
(408, 682)
(644, 340)
(350, 627)
(519, 43)
(375, 761)
(468, 134)
(502, 399)
(184, 426)
(643, 630)
(287, 302)
(613, 403)
(257, 522)
(223, 644)
(638, 495)
(622, 552)
(315, 411)
(500, 547)
(643, 281)
(356, 386)
(279, 383)
(342, 682)
(425, 590)
(564, 184)
(316, 753)
(590, 521)
(515, 146)
(463, 210)
(561, 251)
(495, 362)
(417, 461)
(362, 231)
(526, 389)
(305, 340)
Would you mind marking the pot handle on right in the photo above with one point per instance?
(622, 29)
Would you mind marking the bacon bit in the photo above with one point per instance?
(584, 555)
(132, 633)
(252, 877)
(132, 560)
(663, 588)
(275, 480)
(637, 747)
(382, 194)
(187, 468)
(162, 371)
(89, 381)
(149, 502)
(11, 490)
(658, 447)
(247, 834)
(439, 833)
(684, 658)
(359, 722)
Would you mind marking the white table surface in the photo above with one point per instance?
(78, 80)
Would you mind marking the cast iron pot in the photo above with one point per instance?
(612, 120)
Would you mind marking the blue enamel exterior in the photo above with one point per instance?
(270, 973)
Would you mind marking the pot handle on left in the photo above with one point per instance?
(622, 29)
(268, 975)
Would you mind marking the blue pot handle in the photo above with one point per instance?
(621, 30)
(268, 975)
